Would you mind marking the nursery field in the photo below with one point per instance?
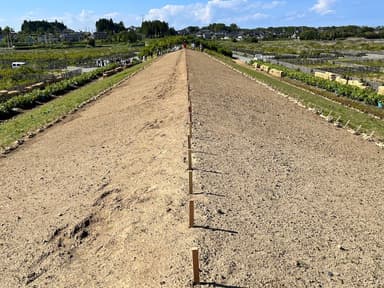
(281, 197)
(358, 58)
(42, 63)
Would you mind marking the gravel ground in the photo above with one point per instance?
(284, 198)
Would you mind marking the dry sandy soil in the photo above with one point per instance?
(284, 199)
(99, 201)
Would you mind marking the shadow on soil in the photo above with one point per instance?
(202, 152)
(214, 284)
(209, 171)
(216, 229)
(209, 194)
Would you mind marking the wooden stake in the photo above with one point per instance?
(191, 213)
(189, 159)
(196, 269)
(189, 142)
(346, 124)
(190, 111)
(190, 182)
(372, 133)
(190, 129)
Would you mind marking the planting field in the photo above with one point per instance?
(282, 198)
(287, 199)
(97, 201)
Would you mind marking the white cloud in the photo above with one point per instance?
(323, 7)
(295, 16)
(272, 4)
(251, 17)
(238, 11)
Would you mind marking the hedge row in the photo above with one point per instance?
(31, 99)
(368, 96)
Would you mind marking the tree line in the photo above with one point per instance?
(117, 32)
(42, 27)
(286, 32)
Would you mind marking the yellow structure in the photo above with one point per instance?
(341, 80)
(357, 83)
(277, 73)
(380, 90)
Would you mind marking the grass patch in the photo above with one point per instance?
(15, 128)
(356, 118)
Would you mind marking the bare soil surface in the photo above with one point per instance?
(284, 199)
(99, 201)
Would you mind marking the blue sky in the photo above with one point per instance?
(82, 14)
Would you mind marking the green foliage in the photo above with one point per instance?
(368, 96)
(25, 75)
(41, 27)
(156, 45)
(156, 29)
(43, 59)
(105, 25)
(221, 27)
(91, 42)
(310, 34)
(29, 100)
(215, 46)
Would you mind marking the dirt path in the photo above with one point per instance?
(285, 199)
(99, 201)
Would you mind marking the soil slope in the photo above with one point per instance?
(99, 201)
(285, 199)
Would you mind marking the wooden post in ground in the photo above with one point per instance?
(189, 142)
(189, 159)
(190, 111)
(190, 189)
(358, 130)
(191, 213)
(196, 269)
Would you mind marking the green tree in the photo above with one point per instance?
(311, 34)
(107, 25)
(7, 32)
(91, 42)
(233, 27)
(156, 29)
(42, 27)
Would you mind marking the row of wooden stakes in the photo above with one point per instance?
(191, 206)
